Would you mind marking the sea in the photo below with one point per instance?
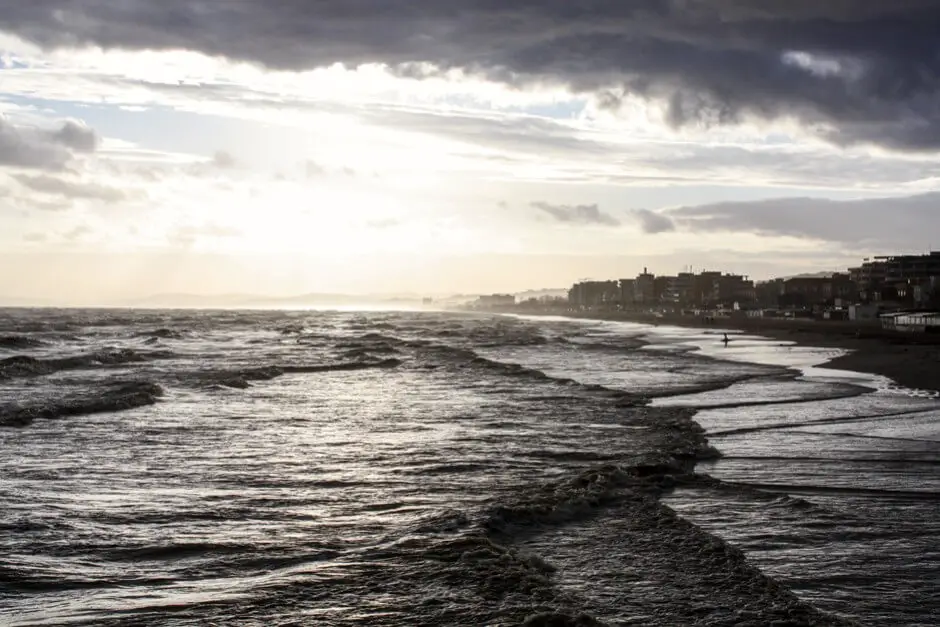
(429, 468)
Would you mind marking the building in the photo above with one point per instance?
(892, 272)
(734, 288)
(840, 288)
(495, 300)
(588, 294)
(869, 277)
(912, 322)
(626, 292)
(804, 292)
(644, 288)
(863, 313)
(706, 289)
(682, 290)
(661, 286)
(911, 268)
(767, 293)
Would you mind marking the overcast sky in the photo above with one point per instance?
(220, 146)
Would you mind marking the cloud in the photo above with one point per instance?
(70, 189)
(315, 170)
(577, 214)
(77, 233)
(35, 237)
(888, 223)
(861, 71)
(27, 147)
(224, 159)
(59, 204)
(186, 235)
(652, 222)
(383, 223)
(77, 136)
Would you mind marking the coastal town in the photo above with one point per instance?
(897, 292)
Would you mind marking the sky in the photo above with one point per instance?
(427, 147)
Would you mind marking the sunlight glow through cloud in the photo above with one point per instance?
(364, 159)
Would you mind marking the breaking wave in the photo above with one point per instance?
(116, 397)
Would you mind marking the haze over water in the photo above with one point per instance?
(436, 469)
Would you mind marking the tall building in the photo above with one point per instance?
(680, 290)
(644, 288)
(594, 294)
(898, 274)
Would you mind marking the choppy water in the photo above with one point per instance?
(192, 468)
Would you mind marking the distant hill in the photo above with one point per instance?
(544, 293)
(825, 274)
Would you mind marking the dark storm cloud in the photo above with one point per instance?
(577, 214)
(26, 147)
(902, 222)
(652, 222)
(853, 71)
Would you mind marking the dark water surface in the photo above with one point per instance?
(271, 468)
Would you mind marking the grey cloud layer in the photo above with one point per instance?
(577, 214)
(652, 222)
(70, 189)
(867, 73)
(24, 147)
(905, 223)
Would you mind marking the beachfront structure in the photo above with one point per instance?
(686, 289)
(912, 322)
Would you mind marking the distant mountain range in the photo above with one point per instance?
(825, 274)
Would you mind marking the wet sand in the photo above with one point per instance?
(912, 360)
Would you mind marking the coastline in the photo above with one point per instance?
(912, 361)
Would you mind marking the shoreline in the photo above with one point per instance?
(910, 360)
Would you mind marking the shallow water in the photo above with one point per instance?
(405, 468)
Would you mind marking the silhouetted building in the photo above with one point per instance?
(495, 300)
(767, 293)
(644, 289)
(803, 292)
(661, 286)
(734, 288)
(594, 294)
(626, 292)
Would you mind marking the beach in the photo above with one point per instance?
(912, 360)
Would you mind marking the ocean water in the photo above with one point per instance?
(395, 468)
